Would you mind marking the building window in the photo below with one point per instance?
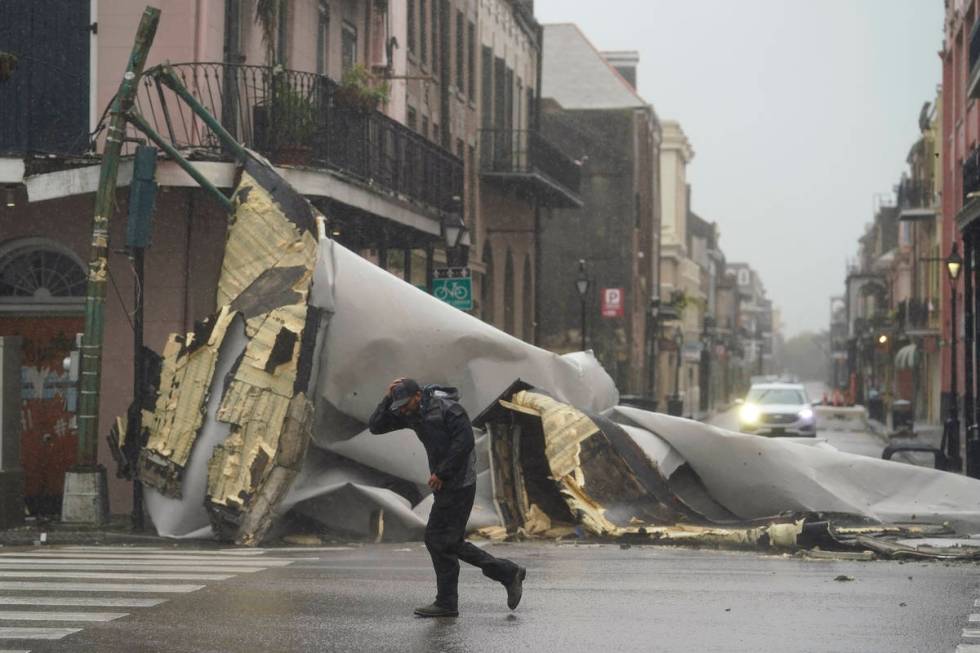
(34, 272)
(460, 148)
(435, 34)
(471, 61)
(460, 53)
(349, 46)
(411, 26)
(282, 38)
(322, 37)
(423, 33)
(411, 119)
(425, 126)
(486, 97)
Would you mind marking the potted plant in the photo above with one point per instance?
(8, 62)
(360, 90)
(286, 122)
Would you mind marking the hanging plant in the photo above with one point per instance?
(267, 16)
(8, 62)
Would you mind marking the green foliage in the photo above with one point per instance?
(359, 88)
(267, 16)
(292, 113)
(8, 62)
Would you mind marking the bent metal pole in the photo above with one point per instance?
(90, 372)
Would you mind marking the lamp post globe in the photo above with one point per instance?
(954, 263)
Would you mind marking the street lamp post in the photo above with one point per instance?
(456, 234)
(707, 341)
(674, 405)
(654, 337)
(582, 285)
(951, 435)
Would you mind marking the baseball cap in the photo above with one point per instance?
(403, 392)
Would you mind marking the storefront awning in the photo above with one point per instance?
(906, 357)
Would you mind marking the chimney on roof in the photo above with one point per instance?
(625, 63)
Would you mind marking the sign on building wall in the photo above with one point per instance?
(612, 302)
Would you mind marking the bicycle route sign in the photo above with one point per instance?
(453, 286)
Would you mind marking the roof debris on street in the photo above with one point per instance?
(262, 410)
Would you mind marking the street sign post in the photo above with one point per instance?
(612, 302)
(453, 286)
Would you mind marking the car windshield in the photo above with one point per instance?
(765, 396)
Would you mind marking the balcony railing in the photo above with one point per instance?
(913, 315)
(973, 82)
(915, 194)
(304, 119)
(971, 174)
(523, 153)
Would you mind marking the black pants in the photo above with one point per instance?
(444, 540)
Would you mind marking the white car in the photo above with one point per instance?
(777, 409)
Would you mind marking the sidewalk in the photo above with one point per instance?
(117, 530)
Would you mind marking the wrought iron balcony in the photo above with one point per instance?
(308, 120)
(913, 316)
(973, 82)
(915, 200)
(971, 175)
(522, 158)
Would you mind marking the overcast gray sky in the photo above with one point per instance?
(799, 111)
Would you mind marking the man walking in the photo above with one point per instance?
(445, 431)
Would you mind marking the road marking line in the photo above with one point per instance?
(971, 632)
(264, 562)
(7, 650)
(108, 575)
(99, 587)
(59, 565)
(976, 603)
(82, 601)
(36, 633)
(968, 648)
(974, 618)
(24, 615)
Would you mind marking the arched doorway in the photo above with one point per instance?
(527, 300)
(42, 300)
(486, 286)
(509, 294)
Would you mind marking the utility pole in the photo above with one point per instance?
(85, 499)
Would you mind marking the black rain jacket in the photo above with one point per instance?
(444, 429)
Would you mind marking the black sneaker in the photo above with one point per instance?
(436, 610)
(515, 588)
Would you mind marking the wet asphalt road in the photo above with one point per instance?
(578, 598)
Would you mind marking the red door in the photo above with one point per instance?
(49, 439)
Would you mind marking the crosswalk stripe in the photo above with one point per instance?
(157, 549)
(221, 564)
(82, 601)
(88, 565)
(25, 615)
(974, 618)
(99, 587)
(7, 650)
(968, 648)
(971, 632)
(108, 575)
(263, 562)
(36, 633)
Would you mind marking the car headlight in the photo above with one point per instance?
(749, 414)
(806, 414)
